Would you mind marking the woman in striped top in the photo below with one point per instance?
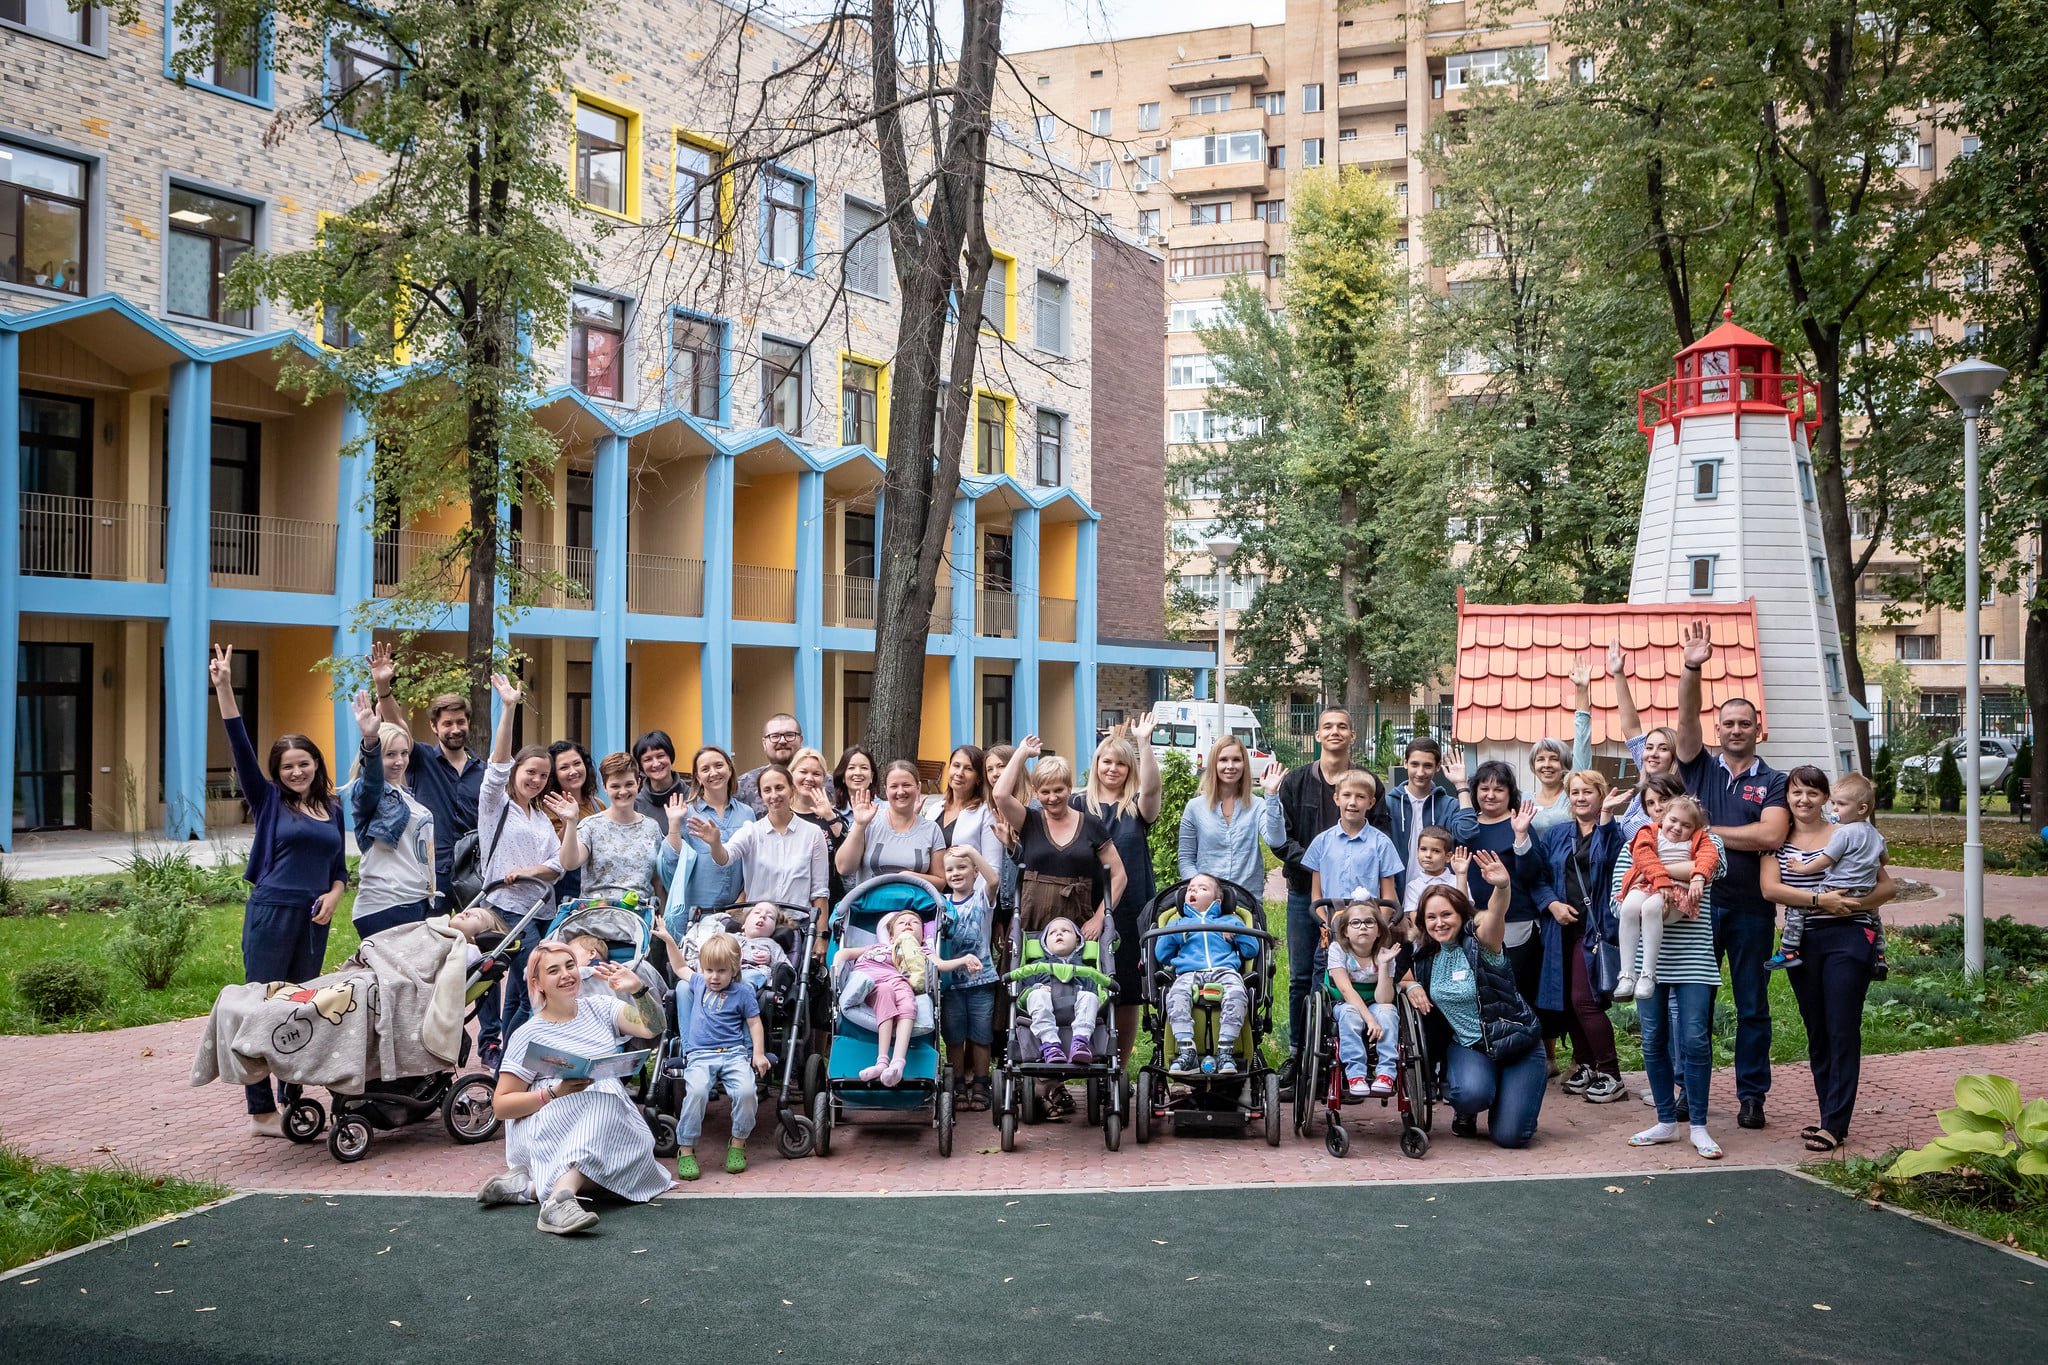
(1837, 967)
(1687, 977)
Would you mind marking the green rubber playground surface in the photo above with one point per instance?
(1726, 1266)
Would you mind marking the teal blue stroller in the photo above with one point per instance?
(925, 1094)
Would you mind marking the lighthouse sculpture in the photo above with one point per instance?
(1730, 513)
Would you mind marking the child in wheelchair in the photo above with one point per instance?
(1205, 961)
(1363, 950)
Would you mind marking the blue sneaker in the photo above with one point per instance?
(1225, 1065)
(1780, 961)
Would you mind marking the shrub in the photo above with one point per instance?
(1974, 1133)
(2033, 855)
(1177, 787)
(2022, 769)
(87, 894)
(1948, 778)
(156, 933)
(1884, 772)
(58, 987)
(1935, 1003)
(2023, 945)
(1915, 964)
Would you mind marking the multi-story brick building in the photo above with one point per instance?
(721, 402)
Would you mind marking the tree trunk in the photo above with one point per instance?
(2037, 681)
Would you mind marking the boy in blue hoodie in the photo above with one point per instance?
(1201, 958)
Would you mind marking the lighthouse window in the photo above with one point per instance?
(1820, 576)
(1706, 478)
(1834, 671)
(1806, 480)
(1703, 573)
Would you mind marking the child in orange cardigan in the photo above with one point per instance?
(1671, 863)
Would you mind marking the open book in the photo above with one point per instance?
(547, 1062)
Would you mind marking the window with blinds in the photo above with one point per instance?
(867, 250)
(1052, 314)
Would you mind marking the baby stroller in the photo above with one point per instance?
(624, 919)
(1017, 1079)
(1320, 1087)
(925, 1095)
(1209, 1102)
(465, 1100)
(786, 1025)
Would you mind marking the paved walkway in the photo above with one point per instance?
(72, 853)
(83, 1098)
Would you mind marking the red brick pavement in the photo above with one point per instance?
(83, 1098)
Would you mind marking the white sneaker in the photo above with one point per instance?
(1605, 1089)
(561, 1214)
(266, 1125)
(1625, 987)
(1646, 987)
(507, 1187)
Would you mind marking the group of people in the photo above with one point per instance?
(1509, 919)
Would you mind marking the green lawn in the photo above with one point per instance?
(215, 961)
(1959, 1198)
(45, 1209)
(1936, 841)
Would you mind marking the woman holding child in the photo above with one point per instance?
(1841, 949)
(572, 1137)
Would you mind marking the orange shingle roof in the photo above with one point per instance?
(1515, 663)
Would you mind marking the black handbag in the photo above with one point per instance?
(1603, 955)
(466, 869)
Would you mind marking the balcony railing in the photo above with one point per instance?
(1056, 618)
(275, 554)
(63, 537)
(398, 554)
(760, 593)
(942, 610)
(995, 613)
(571, 569)
(849, 601)
(664, 585)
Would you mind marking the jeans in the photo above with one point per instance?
(1692, 1008)
(280, 942)
(1831, 980)
(1304, 938)
(376, 922)
(735, 1067)
(1742, 936)
(1510, 1096)
(967, 1014)
(1351, 1047)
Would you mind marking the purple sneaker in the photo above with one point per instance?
(1052, 1052)
(1080, 1056)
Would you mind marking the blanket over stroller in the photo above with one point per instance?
(394, 1009)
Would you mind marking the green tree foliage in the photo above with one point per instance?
(1884, 775)
(1335, 503)
(1177, 786)
(453, 267)
(1948, 778)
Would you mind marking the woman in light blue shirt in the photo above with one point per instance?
(1220, 829)
(705, 883)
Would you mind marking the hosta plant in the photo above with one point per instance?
(1988, 1130)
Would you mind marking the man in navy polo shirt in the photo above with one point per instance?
(443, 775)
(1744, 798)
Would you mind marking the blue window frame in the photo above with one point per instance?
(1701, 577)
(1820, 577)
(1706, 478)
(1806, 480)
(789, 218)
(700, 366)
(1834, 671)
(239, 75)
(360, 68)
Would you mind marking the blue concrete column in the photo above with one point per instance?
(1024, 582)
(1155, 685)
(187, 569)
(810, 603)
(609, 475)
(1201, 684)
(715, 673)
(354, 565)
(960, 668)
(1084, 638)
(10, 564)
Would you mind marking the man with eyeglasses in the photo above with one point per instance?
(781, 737)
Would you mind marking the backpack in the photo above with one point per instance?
(466, 867)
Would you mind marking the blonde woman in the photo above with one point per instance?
(1123, 793)
(393, 830)
(1059, 847)
(1220, 828)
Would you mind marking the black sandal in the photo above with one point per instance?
(1820, 1140)
(980, 1095)
(1060, 1103)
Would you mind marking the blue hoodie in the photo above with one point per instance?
(1196, 952)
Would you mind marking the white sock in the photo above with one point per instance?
(1702, 1141)
(1661, 1132)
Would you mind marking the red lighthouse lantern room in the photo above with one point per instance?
(1728, 370)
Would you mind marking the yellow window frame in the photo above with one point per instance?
(581, 96)
(682, 136)
(1008, 330)
(881, 396)
(1008, 403)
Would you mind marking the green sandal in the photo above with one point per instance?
(735, 1160)
(686, 1167)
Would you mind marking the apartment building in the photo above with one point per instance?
(721, 399)
(1189, 140)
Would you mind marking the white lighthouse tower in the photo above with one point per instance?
(1729, 513)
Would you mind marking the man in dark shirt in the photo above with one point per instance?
(443, 776)
(1744, 798)
(1308, 806)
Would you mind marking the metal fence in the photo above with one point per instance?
(760, 593)
(276, 554)
(664, 585)
(995, 613)
(571, 569)
(64, 537)
(397, 555)
(849, 600)
(1056, 618)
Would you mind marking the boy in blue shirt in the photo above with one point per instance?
(1204, 958)
(724, 1017)
(1351, 853)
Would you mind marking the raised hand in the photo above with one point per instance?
(703, 829)
(508, 691)
(1491, 867)
(1523, 818)
(561, 805)
(383, 667)
(1618, 799)
(1697, 647)
(1614, 658)
(1461, 861)
(1386, 955)
(1141, 728)
(366, 713)
(863, 808)
(220, 668)
(1032, 747)
(677, 807)
(1269, 780)
(1581, 676)
(1454, 769)
(1005, 836)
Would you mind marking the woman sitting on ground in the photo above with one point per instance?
(572, 1137)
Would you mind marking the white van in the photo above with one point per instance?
(1190, 726)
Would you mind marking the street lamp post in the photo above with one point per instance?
(1222, 549)
(1970, 384)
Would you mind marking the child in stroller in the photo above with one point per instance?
(890, 975)
(1202, 960)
